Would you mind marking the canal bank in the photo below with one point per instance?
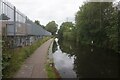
(50, 67)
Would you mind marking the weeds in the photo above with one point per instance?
(14, 58)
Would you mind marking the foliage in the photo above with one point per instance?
(51, 27)
(67, 31)
(50, 71)
(97, 22)
(38, 23)
(14, 58)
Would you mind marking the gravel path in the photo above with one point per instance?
(34, 66)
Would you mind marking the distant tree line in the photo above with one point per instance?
(38, 23)
(96, 22)
(51, 26)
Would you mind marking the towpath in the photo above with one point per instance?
(34, 66)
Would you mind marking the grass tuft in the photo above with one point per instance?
(50, 71)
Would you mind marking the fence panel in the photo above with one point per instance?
(16, 23)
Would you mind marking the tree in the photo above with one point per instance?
(37, 22)
(67, 31)
(97, 21)
(51, 27)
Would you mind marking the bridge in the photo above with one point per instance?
(17, 27)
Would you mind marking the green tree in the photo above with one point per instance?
(67, 31)
(97, 21)
(37, 22)
(51, 27)
(112, 29)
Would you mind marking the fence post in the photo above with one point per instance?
(14, 27)
(1, 41)
(118, 26)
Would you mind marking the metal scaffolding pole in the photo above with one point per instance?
(14, 44)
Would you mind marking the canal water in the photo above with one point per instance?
(82, 61)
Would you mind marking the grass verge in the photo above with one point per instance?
(50, 71)
(13, 59)
(50, 68)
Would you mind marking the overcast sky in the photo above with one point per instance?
(48, 10)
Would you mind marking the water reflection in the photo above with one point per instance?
(64, 64)
(79, 61)
(100, 63)
(54, 48)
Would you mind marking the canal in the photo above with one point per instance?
(80, 61)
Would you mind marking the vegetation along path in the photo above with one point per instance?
(34, 66)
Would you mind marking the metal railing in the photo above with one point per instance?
(17, 26)
(14, 19)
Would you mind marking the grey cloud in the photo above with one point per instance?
(47, 10)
